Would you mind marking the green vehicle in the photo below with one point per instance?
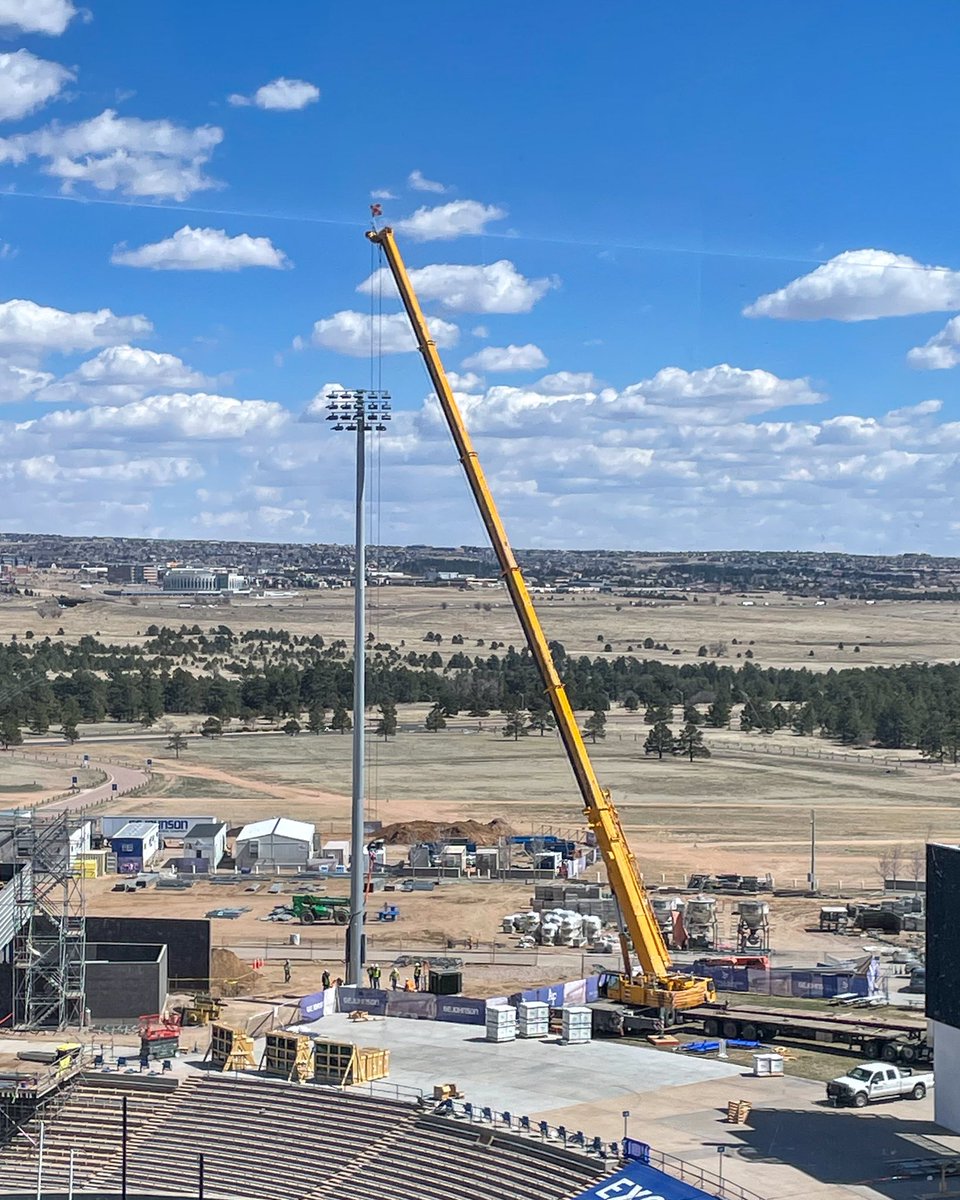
(311, 909)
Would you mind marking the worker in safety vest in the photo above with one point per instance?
(394, 978)
(325, 980)
(376, 975)
(417, 974)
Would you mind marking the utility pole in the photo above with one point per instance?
(814, 886)
(359, 411)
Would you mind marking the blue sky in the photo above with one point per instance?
(692, 267)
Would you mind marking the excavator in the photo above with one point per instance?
(652, 986)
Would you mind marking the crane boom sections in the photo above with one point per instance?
(601, 814)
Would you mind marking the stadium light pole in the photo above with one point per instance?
(360, 411)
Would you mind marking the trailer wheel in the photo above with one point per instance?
(908, 1053)
(889, 1052)
(872, 1048)
(711, 1027)
(340, 916)
(748, 1032)
(307, 917)
(860, 1100)
(731, 1029)
(919, 1091)
(766, 1033)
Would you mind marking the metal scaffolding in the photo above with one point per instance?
(49, 946)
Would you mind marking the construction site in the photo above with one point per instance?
(496, 1004)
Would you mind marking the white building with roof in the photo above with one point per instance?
(275, 842)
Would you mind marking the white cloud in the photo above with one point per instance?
(179, 417)
(121, 154)
(712, 395)
(122, 374)
(495, 288)
(316, 410)
(382, 194)
(282, 95)
(34, 329)
(508, 358)
(862, 285)
(419, 183)
(349, 332)
(203, 250)
(28, 83)
(465, 382)
(565, 383)
(941, 351)
(459, 218)
(18, 383)
(112, 469)
(36, 16)
(480, 331)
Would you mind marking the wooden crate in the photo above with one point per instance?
(343, 1063)
(737, 1111)
(230, 1049)
(289, 1055)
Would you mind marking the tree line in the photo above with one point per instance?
(49, 685)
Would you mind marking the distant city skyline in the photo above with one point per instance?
(691, 271)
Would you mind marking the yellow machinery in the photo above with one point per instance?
(653, 986)
(201, 1011)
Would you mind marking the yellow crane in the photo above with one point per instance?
(654, 985)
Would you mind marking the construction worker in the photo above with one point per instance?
(286, 970)
(376, 975)
(325, 980)
(417, 974)
(394, 978)
(370, 975)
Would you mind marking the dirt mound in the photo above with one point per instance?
(230, 975)
(405, 833)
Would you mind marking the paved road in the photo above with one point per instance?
(125, 779)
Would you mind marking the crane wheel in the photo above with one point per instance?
(307, 917)
(340, 916)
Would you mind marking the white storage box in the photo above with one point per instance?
(577, 1024)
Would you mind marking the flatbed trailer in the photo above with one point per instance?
(874, 1037)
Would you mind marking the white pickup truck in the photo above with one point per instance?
(878, 1081)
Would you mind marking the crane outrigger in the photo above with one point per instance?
(654, 985)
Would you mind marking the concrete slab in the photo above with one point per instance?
(521, 1077)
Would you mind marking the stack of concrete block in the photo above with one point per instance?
(501, 1022)
(533, 1019)
(587, 899)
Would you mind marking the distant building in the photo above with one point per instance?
(195, 579)
(206, 842)
(132, 573)
(135, 845)
(276, 842)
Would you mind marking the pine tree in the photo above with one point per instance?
(718, 714)
(659, 740)
(896, 725)
(177, 743)
(340, 721)
(690, 743)
(387, 725)
(691, 715)
(540, 716)
(317, 719)
(10, 734)
(515, 726)
(435, 719)
(595, 726)
(292, 727)
(804, 721)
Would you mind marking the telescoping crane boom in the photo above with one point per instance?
(654, 985)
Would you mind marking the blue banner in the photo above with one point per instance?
(311, 1007)
(640, 1182)
(461, 1009)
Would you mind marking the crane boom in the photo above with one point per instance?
(657, 988)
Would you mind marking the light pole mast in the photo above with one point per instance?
(358, 411)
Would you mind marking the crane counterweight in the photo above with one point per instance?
(654, 985)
